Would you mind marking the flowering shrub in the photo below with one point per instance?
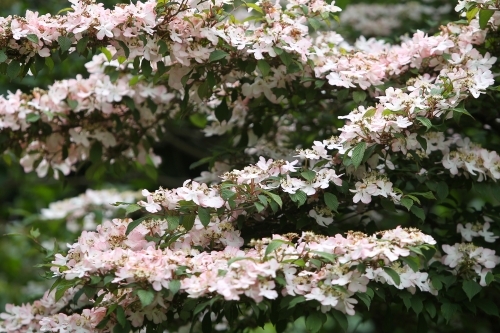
(340, 187)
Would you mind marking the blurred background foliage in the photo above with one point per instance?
(24, 195)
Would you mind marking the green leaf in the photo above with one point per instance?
(49, 63)
(489, 278)
(416, 250)
(471, 288)
(436, 283)
(132, 208)
(146, 68)
(120, 316)
(222, 111)
(413, 262)
(315, 24)
(419, 212)
(204, 215)
(325, 255)
(278, 50)
(431, 308)
(13, 69)
(387, 204)
(146, 297)
(263, 67)
(132, 225)
(422, 141)
(406, 202)
(315, 321)
(124, 46)
(32, 117)
(484, 17)
(174, 286)
(426, 122)
(34, 232)
(448, 310)
(198, 120)
(173, 222)
(3, 56)
(162, 48)
(263, 199)
(33, 38)
(276, 198)
(296, 300)
(308, 175)
(95, 153)
(341, 319)
(462, 110)
(416, 304)
(227, 194)
(299, 197)
(187, 221)
(365, 299)
(427, 195)
(369, 113)
(331, 201)
(357, 154)
(254, 7)
(260, 207)
(286, 58)
(359, 96)
(64, 43)
(442, 190)
(488, 306)
(392, 273)
(217, 55)
(81, 45)
(72, 103)
(203, 90)
(273, 245)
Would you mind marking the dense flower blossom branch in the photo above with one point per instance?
(80, 114)
(329, 63)
(190, 247)
(251, 272)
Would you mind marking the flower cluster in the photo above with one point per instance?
(382, 19)
(27, 318)
(79, 115)
(189, 248)
(83, 207)
(470, 260)
(374, 185)
(469, 231)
